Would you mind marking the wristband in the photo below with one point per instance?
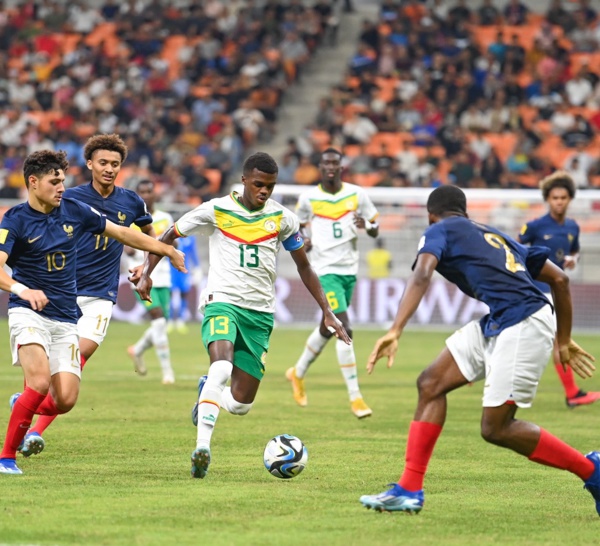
(18, 288)
(369, 225)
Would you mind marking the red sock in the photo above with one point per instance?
(83, 362)
(20, 419)
(43, 422)
(551, 451)
(567, 378)
(48, 407)
(422, 438)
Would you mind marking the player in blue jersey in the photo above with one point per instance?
(561, 235)
(98, 256)
(509, 347)
(181, 285)
(38, 241)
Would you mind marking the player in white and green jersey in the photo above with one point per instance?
(335, 211)
(246, 232)
(158, 308)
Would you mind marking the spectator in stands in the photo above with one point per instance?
(562, 120)
(361, 163)
(480, 146)
(578, 90)
(586, 10)
(515, 13)
(492, 171)
(306, 173)
(559, 16)
(582, 36)
(581, 164)
(463, 170)
(488, 14)
(518, 160)
(198, 184)
(514, 60)
(358, 129)
(408, 161)
(580, 133)
(498, 47)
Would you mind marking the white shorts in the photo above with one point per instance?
(59, 339)
(512, 362)
(95, 318)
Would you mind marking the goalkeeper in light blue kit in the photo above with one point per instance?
(182, 283)
(509, 347)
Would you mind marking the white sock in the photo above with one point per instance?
(144, 343)
(209, 402)
(347, 362)
(160, 340)
(314, 345)
(229, 403)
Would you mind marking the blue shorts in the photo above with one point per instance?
(181, 281)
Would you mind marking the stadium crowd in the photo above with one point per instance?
(443, 92)
(189, 88)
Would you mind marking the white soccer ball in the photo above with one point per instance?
(285, 456)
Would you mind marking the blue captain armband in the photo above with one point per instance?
(294, 242)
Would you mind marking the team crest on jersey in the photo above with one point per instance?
(122, 217)
(570, 237)
(270, 226)
(68, 230)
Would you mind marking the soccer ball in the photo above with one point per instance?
(285, 456)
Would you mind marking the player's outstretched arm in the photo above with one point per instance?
(141, 241)
(416, 286)
(143, 283)
(36, 298)
(311, 281)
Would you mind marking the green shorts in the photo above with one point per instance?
(249, 331)
(161, 297)
(339, 290)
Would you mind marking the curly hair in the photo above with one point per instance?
(44, 162)
(261, 162)
(112, 143)
(558, 179)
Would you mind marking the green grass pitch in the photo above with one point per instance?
(115, 470)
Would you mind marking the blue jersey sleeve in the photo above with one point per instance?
(9, 233)
(433, 242)
(294, 242)
(527, 234)
(143, 217)
(535, 259)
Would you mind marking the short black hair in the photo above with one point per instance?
(261, 162)
(447, 200)
(44, 162)
(558, 179)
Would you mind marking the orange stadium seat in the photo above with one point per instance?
(366, 179)
(503, 144)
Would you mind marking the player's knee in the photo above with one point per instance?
(237, 408)
(427, 385)
(492, 433)
(66, 402)
(39, 384)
